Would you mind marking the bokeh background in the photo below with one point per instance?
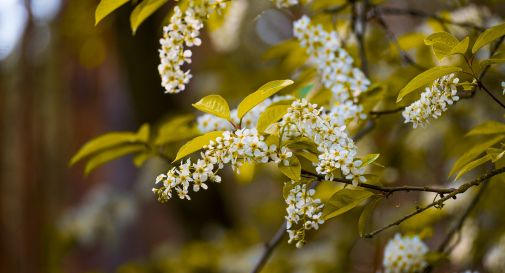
(64, 81)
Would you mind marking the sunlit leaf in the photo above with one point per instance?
(369, 159)
(196, 144)
(474, 152)
(366, 214)
(488, 128)
(461, 47)
(293, 170)
(270, 115)
(260, 95)
(143, 10)
(488, 36)
(215, 105)
(109, 155)
(343, 201)
(442, 43)
(425, 78)
(106, 7)
(472, 165)
(487, 62)
(245, 173)
(105, 141)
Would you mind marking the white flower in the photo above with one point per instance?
(433, 102)
(405, 255)
(182, 31)
(304, 212)
(234, 148)
(284, 3)
(334, 64)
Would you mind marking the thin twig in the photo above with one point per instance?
(444, 246)
(386, 112)
(423, 14)
(383, 189)
(483, 87)
(392, 38)
(269, 247)
(463, 188)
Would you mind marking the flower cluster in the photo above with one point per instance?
(284, 3)
(303, 213)
(183, 32)
(226, 37)
(405, 254)
(495, 258)
(433, 101)
(209, 123)
(234, 148)
(328, 132)
(334, 64)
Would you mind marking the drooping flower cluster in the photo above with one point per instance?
(226, 37)
(405, 254)
(304, 212)
(209, 123)
(234, 148)
(495, 258)
(334, 64)
(328, 132)
(181, 33)
(433, 102)
(284, 3)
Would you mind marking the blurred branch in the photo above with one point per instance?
(392, 38)
(359, 23)
(486, 69)
(463, 188)
(386, 112)
(423, 14)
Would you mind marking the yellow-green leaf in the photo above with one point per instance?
(175, 129)
(488, 36)
(366, 214)
(487, 62)
(427, 77)
(442, 43)
(109, 155)
(215, 105)
(196, 144)
(369, 159)
(106, 7)
(270, 115)
(488, 128)
(461, 47)
(144, 132)
(472, 165)
(293, 170)
(102, 142)
(496, 154)
(245, 173)
(474, 152)
(140, 158)
(260, 95)
(343, 201)
(144, 10)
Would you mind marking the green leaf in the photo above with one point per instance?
(488, 128)
(487, 62)
(474, 152)
(461, 47)
(442, 43)
(260, 95)
(106, 156)
(427, 77)
(366, 214)
(144, 10)
(215, 105)
(175, 129)
(293, 170)
(472, 165)
(496, 154)
(105, 141)
(488, 36)
(343, 201)
(270, 115)
(196, 144)
(308, 155)
(140, 158)
(435, 257)
(106, 7)
(144, 132)
(369, 159)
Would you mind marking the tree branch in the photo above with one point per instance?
(423, 14)
(463, 188)
(386, 112)
(269, 247)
